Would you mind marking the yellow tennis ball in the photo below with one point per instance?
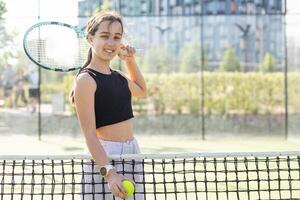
(128, 187)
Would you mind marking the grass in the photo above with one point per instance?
(22, 144)
(206, 181)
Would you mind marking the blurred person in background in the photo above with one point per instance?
(33, 88)
(20, 91)
(8, 78)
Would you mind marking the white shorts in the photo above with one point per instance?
(94, 183)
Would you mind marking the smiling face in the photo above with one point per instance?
(106, 41)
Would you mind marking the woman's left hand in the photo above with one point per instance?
(126, 53)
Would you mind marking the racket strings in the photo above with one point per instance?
(57, 47)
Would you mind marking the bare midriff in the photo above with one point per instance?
(119, 132)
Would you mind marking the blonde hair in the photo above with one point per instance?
(91, 28)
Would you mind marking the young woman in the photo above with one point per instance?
(102, 98)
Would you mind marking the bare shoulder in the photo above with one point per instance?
(85, 81)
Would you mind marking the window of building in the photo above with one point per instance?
(209, 6)
(187, 2)
(221, 7)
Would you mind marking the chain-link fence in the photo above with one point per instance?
(213, 68)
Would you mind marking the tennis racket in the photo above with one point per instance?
(58, 46)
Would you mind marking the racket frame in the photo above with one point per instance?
(78, 31)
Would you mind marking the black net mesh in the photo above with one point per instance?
(242, 177)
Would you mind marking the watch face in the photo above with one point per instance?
(103, 171)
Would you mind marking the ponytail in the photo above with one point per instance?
(87, 62)
(91, 28)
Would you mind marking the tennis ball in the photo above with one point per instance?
(128, 187)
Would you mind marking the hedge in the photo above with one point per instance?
(224, 93)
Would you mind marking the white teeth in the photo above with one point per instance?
(109, 51)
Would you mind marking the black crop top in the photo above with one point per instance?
(112, 98)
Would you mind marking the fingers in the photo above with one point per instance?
(131, 50)
(118, 191)
(127, 51)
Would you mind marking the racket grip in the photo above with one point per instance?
(138, 52)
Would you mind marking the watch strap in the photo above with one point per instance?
(108, 168)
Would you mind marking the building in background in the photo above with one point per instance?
(251, 27)
(86, 7)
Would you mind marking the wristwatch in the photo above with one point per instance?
(104, 170)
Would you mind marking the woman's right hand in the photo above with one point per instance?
(114, 181)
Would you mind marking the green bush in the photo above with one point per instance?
(293, 92)
(224, 93)
(268, 64)
(231, 62)
(157, 60)
(190, 58)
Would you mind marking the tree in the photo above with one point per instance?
(268, 64)
(230, 62)
(105, 6)
(2, 8)
(157, 60)
(5, 38)
(9, 50)
(190, 58)
(3, 33)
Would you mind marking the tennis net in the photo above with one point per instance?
(191, 176)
